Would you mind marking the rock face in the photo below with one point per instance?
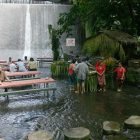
(78, 133)
(111, 127)
(39, 135)
(1, 139)
(132, 122)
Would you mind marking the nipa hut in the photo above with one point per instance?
(112, 43)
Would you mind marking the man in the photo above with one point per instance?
(82, 71)
(20, 65)
(12, 67)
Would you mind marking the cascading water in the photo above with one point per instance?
(24, 29)
(27, 49)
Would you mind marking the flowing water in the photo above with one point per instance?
(24, 29)
(24, 114)
(27, 49)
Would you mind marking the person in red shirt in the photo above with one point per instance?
(72, 75)
(120, 77)
(100, 69)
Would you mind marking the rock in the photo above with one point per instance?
(78, 133)
(111, 127)
(39, 135)
(132, 122)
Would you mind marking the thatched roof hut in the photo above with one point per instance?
(112, 43)
(121, 37)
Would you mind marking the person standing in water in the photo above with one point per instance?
(72, 75)
(120, 77)
(100, 69)
(82, 71)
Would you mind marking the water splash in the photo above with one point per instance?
(27, 48)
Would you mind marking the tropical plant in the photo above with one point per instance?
(59, 69)
(91, 83)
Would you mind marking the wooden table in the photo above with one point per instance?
(14, 84)
(3, 61)
(26, 73)
(22, 83)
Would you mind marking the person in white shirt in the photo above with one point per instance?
(12, 67)
(21, 66)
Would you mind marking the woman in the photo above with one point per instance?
(100, 69)
(72, 75)
(32, 65)
(120, 70)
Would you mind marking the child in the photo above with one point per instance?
(120, 70)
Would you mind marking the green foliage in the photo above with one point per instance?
(103, 14)
(55, 42)
(133, 76)
(59, 69)
(78, 15)
(110, 63)
(91, 83)
(104, 46)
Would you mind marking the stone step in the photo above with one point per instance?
(78, 133)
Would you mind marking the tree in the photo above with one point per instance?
(103, 14)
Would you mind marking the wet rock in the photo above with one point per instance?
(111, 127)
(78, 133)
(39, 135)
(132, 122)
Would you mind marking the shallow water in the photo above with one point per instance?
(23, 114)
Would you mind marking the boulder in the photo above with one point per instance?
(132, 122)
(111, 127)
(78, 133)
(39, 135)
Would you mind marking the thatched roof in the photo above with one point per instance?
(120, 36)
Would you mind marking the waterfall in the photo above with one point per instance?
(29, 35)
(27, 47)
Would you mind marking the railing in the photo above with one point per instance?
(42, 60)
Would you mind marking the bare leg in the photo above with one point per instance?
(78, 87)
(83, 87)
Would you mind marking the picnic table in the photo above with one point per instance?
(4, 64)
(3, 61)
(26, 73)
(23, 83)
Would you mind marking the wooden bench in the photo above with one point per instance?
(19, 79)
(23, 83)
(28, 91)
(26, 73)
